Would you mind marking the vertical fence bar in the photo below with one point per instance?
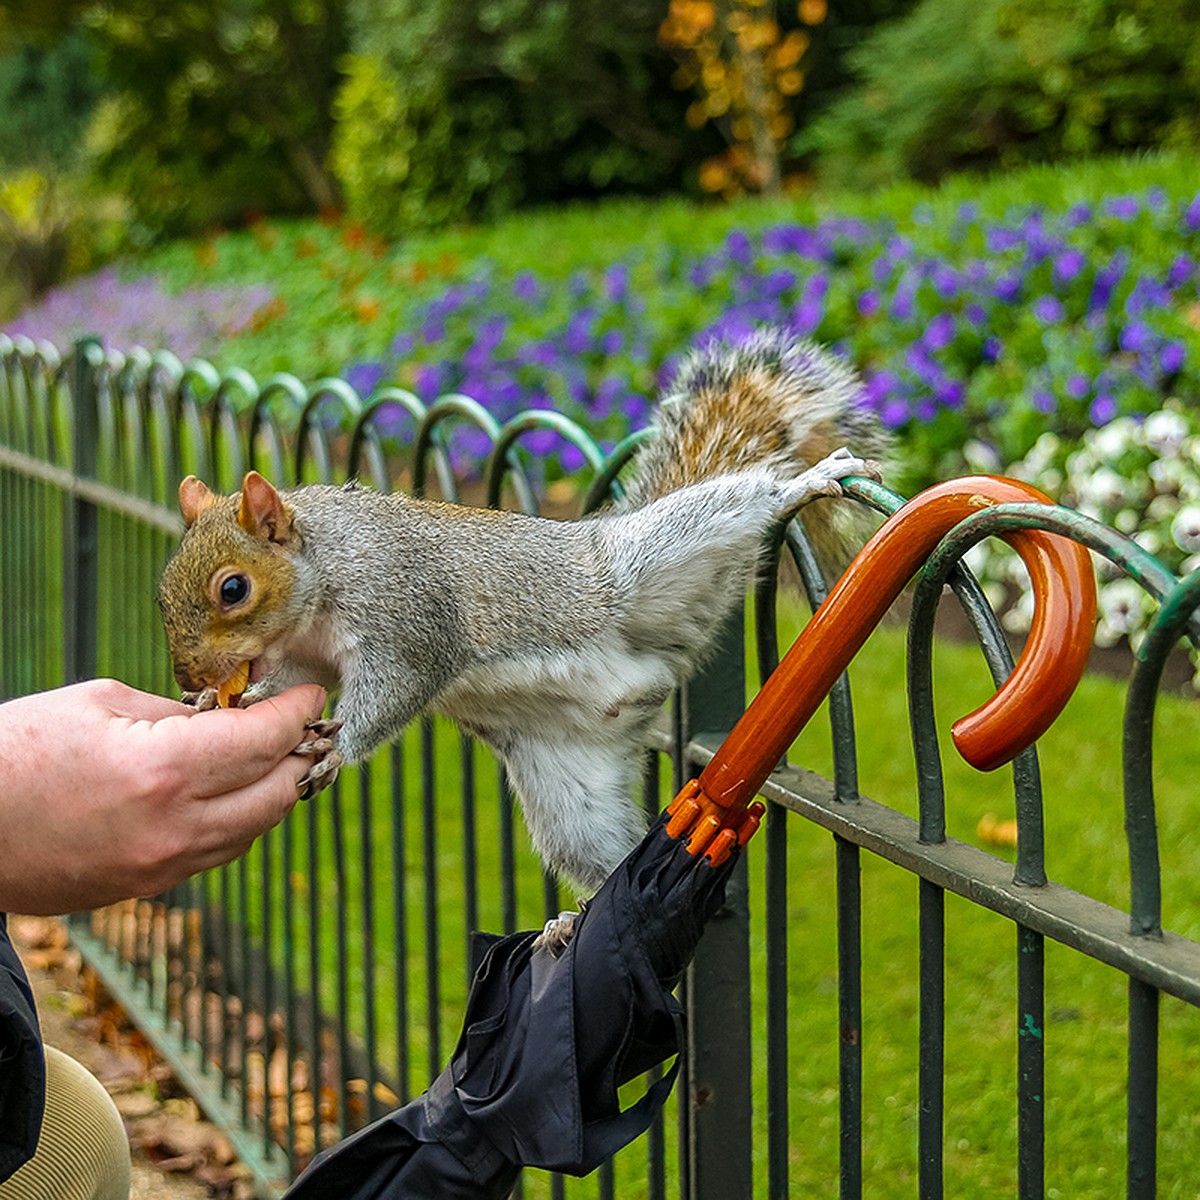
(1031, 1063)
(932, 1069)
(1142, 1144)
(366, 851)
(719, 1153)
(399, 918)
(849, 954)
(429, 874)
(80, 522)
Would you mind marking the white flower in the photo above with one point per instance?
(1103, 489)
(1185, 529)
(1149, 540)
(1127, 520)
(1162, 507)
(978, 557)
(1167, 473)
(1164, 432)
(981, 457)
(1123, 608)
(1020, 616)
(1114, 439)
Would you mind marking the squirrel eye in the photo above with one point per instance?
(234, 589)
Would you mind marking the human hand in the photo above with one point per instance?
(111, 793)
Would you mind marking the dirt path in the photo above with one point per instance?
(176, 1154)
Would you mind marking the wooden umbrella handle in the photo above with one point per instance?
(1028, 702)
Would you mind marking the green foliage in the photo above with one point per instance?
(453, 111)
(219, 109)
(47, 94)
(1013, 81)
(51, 228)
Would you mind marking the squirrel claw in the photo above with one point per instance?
(320, 746)
(320, 775)
(558, 932)
(201, 701)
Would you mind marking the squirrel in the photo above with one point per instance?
(554, 642)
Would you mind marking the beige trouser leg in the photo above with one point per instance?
(83, 1152)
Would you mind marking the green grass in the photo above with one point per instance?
(1085, 1003)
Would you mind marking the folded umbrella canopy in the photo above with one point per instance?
(546, 1043)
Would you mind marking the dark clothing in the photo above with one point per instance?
(22, 1068)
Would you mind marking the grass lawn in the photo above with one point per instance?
(1085, 1003)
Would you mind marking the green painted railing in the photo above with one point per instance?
(303, 989)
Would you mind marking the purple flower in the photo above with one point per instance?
(894, 412)
(364, 377)
(616, 283)
(1171, 358)
(1182, 269)
(1191, 216)
(1043, 401)
(1007, 288)
(1077, 386)
(429, 380)
(1134, 338)
(1067, 265)
(946, 282)
(1048, 310)
(738, 247)
(525, 287)
(939, 333)
(868, 303)
(902, 304)
(950, 393)
(992, 349)
(999, 240)
(1103, 409)
(1124, 208)
(778, 282)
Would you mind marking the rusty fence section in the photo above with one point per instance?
(304, 989)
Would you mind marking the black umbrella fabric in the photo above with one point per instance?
(546, 1043)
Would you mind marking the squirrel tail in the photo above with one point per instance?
(771, 401)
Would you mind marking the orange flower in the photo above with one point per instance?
(368, 310)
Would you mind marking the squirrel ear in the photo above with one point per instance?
(194, 498)
(263, 513)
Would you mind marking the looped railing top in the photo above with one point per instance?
(1026, 704)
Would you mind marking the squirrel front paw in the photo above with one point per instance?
(203, 700)
(321, 746)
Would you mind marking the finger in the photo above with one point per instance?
(222, 826)
(218, 752)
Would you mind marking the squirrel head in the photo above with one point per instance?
(228, 593)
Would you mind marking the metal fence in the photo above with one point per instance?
(302, 990)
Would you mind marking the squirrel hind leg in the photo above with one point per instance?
(825, 477)
(577, 805)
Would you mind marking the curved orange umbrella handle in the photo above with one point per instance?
(1028, 702)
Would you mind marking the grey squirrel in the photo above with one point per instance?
(555, 642)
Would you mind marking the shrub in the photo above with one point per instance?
(1012, 81)
(452, 111)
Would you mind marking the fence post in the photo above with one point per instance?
(716, 1111)
(80, 521)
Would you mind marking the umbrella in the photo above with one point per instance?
(547, 1040)
(534, 1078)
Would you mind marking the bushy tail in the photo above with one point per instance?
(774, 401)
